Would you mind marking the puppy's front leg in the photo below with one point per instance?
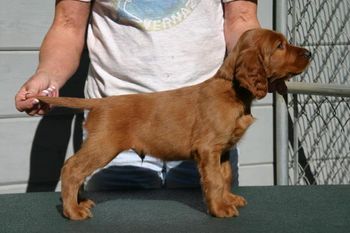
(213, 184)
(242, 123)
(226, 171)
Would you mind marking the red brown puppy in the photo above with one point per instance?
(199, 122)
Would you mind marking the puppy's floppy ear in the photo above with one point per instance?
(250, 72)
(227, 69)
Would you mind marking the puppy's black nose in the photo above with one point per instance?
(307, 54)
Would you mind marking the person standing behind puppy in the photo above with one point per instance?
(137, 46)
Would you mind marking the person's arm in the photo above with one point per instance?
(239, 16)
(59, 55)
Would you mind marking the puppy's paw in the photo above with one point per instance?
(87, 203)
(79, 212)
(223, 210)
(235, 200)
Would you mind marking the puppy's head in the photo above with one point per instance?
(264, 60)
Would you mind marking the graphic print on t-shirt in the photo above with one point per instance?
(155, 15)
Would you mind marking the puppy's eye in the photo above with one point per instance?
(280, 45)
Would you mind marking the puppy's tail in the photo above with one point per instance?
(78, 103)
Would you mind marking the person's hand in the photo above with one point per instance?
(38, 85)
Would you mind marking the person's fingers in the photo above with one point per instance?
(55, 92)
(20, 98)
(51, 91)
(25, 100)
(31, 91)
(40, 109)
(45, 108)
(32, 111)
(25, 104)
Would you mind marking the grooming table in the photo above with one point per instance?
(276, 209)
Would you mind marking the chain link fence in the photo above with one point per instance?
(319, 125)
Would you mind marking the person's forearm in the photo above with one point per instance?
(62, 47)
(59, 56)
(239, 17)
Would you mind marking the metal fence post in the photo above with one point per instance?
(281, 118)
(281, 113)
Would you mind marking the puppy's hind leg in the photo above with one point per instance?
(94, 154)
